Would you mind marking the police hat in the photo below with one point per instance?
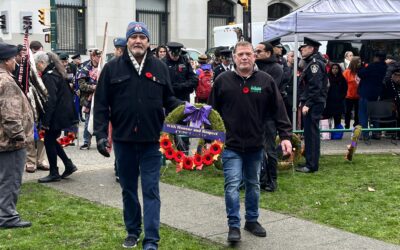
(174, 45)
(227, 53)
(63, 56)
(276, 42)
(77, 56)
(310, 42)
(7, 51)
(119, 42)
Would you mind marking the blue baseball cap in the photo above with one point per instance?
(119, 42)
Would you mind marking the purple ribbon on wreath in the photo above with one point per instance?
(197, 116)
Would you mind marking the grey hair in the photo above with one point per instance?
(49, 58)
(242, 44)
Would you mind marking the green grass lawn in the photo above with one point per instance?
(62, 221)
(337, 195)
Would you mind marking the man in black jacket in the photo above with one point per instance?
(313, 89)
(266, 61)
(246, 98)
(183, 78)
(132, 91)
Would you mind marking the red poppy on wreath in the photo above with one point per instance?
(207, 159)
(170, 153)
(179, 156)
(187, 163)
(165, 142)
(245, 90)
(197, 160)
(216, 148)
(149, 75)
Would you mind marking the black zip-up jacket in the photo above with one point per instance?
(270, 66)
(134, 104)
(183, 78)
(313, 82)
(245, 114)
(60, 112)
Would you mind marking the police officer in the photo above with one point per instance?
(312, 96)
(226, 62)
(119, 46)
(69, 67)
(76, 59)
(183, 78)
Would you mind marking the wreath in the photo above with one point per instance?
(208, 153)
(286, 163)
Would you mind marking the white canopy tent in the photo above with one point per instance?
(326, 20)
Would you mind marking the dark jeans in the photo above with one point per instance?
(269, 175)
(363, 114)
(144, 159)
(351, 105)
(240, 166)
(311, 136)
(53, 149)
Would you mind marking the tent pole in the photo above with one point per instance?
(294, 109)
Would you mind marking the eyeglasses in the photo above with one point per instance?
(259, 51)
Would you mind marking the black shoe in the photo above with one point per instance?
(304, 170)
(85, 147)
(255, 228)
(50, 178)
(18, 224)
(234, 234)
(68, 171)
(117, 179)
(269, 188)
(130, 242)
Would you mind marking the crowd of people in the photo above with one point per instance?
(251, 88)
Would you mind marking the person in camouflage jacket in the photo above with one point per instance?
(87, 81)
(16, 131)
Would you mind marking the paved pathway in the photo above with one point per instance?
(206, 218)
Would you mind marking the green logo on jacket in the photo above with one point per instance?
(255, 89)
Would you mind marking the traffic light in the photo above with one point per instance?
(42, 16)
(27, 22)
(3, 22)
(244, 3)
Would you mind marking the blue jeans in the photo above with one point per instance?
(363, 115)
(144, 159)
(87, 137)
(238, 166)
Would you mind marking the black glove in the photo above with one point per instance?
(103, 147)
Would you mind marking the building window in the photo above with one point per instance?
(220, 12)
(71, 27)
(155, 15)
(278, 10)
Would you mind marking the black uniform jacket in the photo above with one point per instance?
(183, 78)
(60, 112)
(313, 82)
(134, 104)
(245, 104)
